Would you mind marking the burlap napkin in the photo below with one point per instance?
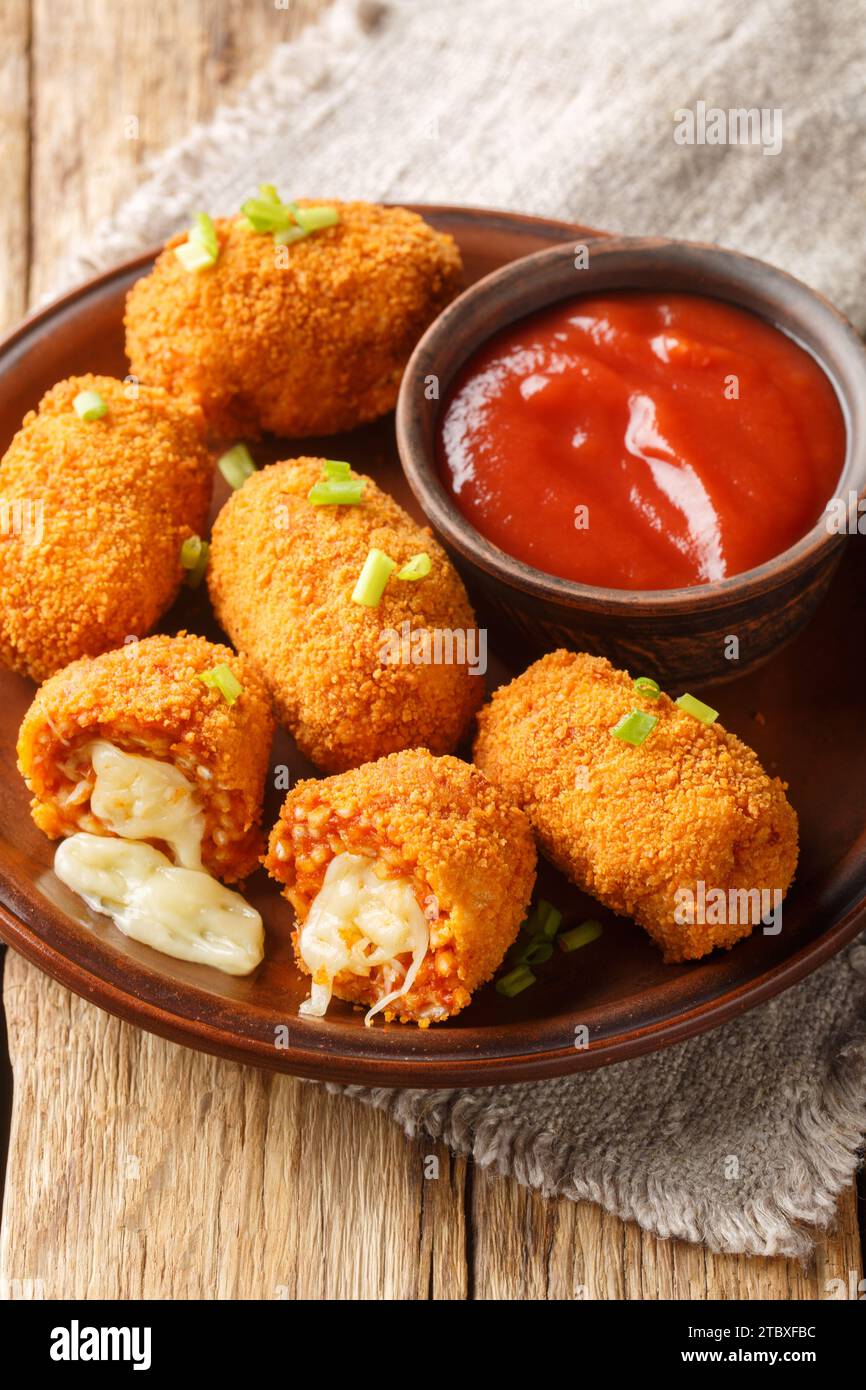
(605, 112)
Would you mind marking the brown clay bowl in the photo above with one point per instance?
(677, 635)
(801, 712)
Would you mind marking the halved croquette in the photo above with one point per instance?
(134, 743)
(409, 876)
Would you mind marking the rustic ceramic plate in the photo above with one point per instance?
(802, 713)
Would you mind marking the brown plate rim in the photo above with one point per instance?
(394, 1062)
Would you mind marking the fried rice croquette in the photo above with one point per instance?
(633, 825)
(146, 700)
(102, 507)
(281, 577)
(296, 340)
(409, 876)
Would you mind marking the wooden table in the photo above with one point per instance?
(136, 1168)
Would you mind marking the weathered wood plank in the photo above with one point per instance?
(15, 145)
(529, 1247)
(114, 84)
(139, 1169)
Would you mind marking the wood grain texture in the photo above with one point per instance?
(136, 1168)
(15, 75)
(139, 1169)
(152, 70)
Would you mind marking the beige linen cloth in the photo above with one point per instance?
(569, 108)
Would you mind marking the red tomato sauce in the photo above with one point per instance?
(638, 440)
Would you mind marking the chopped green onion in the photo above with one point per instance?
(337, 492)
(536, 952)
(647, 687)
(417, 568)
(193, 256)
(89, 406)
(375, 574)
(204, 234)
(698, 709)
(634, 726)
(266, 215)
(193, 557)
(315, 219)
(287, 222)
(289, 235)
(549, 919)
(336, 468)
(515, 981)
(201, 248)
(190, 552)
(236, 466)
(223, 680)
(580, 936)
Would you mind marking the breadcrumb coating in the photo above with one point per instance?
(115, 499)
(146, 698)
(438, 822)
(296, 340)
(631, 825)
(281, 576)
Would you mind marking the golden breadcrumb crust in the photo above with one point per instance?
(437, 821)
(116, 497)
(297, 340)
(631, 825)
(145, 698)
(281, 577)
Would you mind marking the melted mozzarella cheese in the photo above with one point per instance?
(183, 912)
(141, 798)
(176, 908)
(359, 922)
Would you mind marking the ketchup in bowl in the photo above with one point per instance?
(641, 440)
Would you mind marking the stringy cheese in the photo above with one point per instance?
(178, 909)
(358, 923)
(142, 799)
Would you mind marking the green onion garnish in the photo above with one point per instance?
(337, 488)
(698, 709)
(193, 256)
(536, 952)
(223, 680)
(201, 248)
(549, 919)
(416, 568)
(515, 981)
(193, 557)
(236, 466)
(315, 219)
(537, 934)
(190, 552)
(336, 468)
(634, 726)
(580, 936)
(288, 235)
(647, 687)
(337, 492)
(287, 222)
(89, 405)
(375, 574)
(204, 234)
(265, 215)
